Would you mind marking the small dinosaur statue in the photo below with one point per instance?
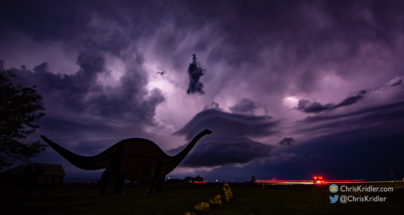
(134, 159)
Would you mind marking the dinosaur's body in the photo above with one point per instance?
(133, 159)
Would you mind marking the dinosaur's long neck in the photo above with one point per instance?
(176, 160)
(99, 161)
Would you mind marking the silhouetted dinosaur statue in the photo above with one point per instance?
(134, 159)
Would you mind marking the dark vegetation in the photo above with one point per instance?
(20, 108)
(180, 198)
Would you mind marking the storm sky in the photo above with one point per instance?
(290, 89)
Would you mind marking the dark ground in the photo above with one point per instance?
(180, 198)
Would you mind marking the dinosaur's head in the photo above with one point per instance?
(207, 131)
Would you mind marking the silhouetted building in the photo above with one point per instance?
(174, 180)
(187, 179)
(33, 174)
(192, 180)
(198, 178)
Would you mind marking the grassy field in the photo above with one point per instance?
(180, 198)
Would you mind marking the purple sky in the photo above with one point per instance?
(290, 89)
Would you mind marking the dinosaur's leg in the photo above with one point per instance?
(105, 182)
(159, 185)
(158, 176)
(149, 187)
(118, 181)
(111, 180)
(112, 176)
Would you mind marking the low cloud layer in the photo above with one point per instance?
(245, 106)
(229, 124)
(381, 114)
(287, 141)
(230, 141)
(222, 151)
(307, 106)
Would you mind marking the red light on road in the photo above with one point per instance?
(318, 180)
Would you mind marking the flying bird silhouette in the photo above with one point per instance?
(162, 72)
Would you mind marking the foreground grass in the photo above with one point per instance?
(180, 198)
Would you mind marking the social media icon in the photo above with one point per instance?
(333, 188)
(333, 199)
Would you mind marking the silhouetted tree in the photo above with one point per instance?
(19, 109)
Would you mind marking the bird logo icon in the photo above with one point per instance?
(334, 198)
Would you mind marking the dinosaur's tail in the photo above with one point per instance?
(99, 161)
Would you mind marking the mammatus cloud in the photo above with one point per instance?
(315, 107)
(287, 141)
(195, 72)
(245, 106)
(224, 150)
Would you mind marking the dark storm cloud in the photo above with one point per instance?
(376, 118)
(389, 114)
(229, 124)
(195, 72)
(274, 48)
(307, 106)
(1, 65)
(221, 151)
(229, 143)
(315, 107)
(313, 35)
(393, 82)
(105, 26)
(352, 99)
(69, 90)
(287, 141)
(81, 92)
(245, 106)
